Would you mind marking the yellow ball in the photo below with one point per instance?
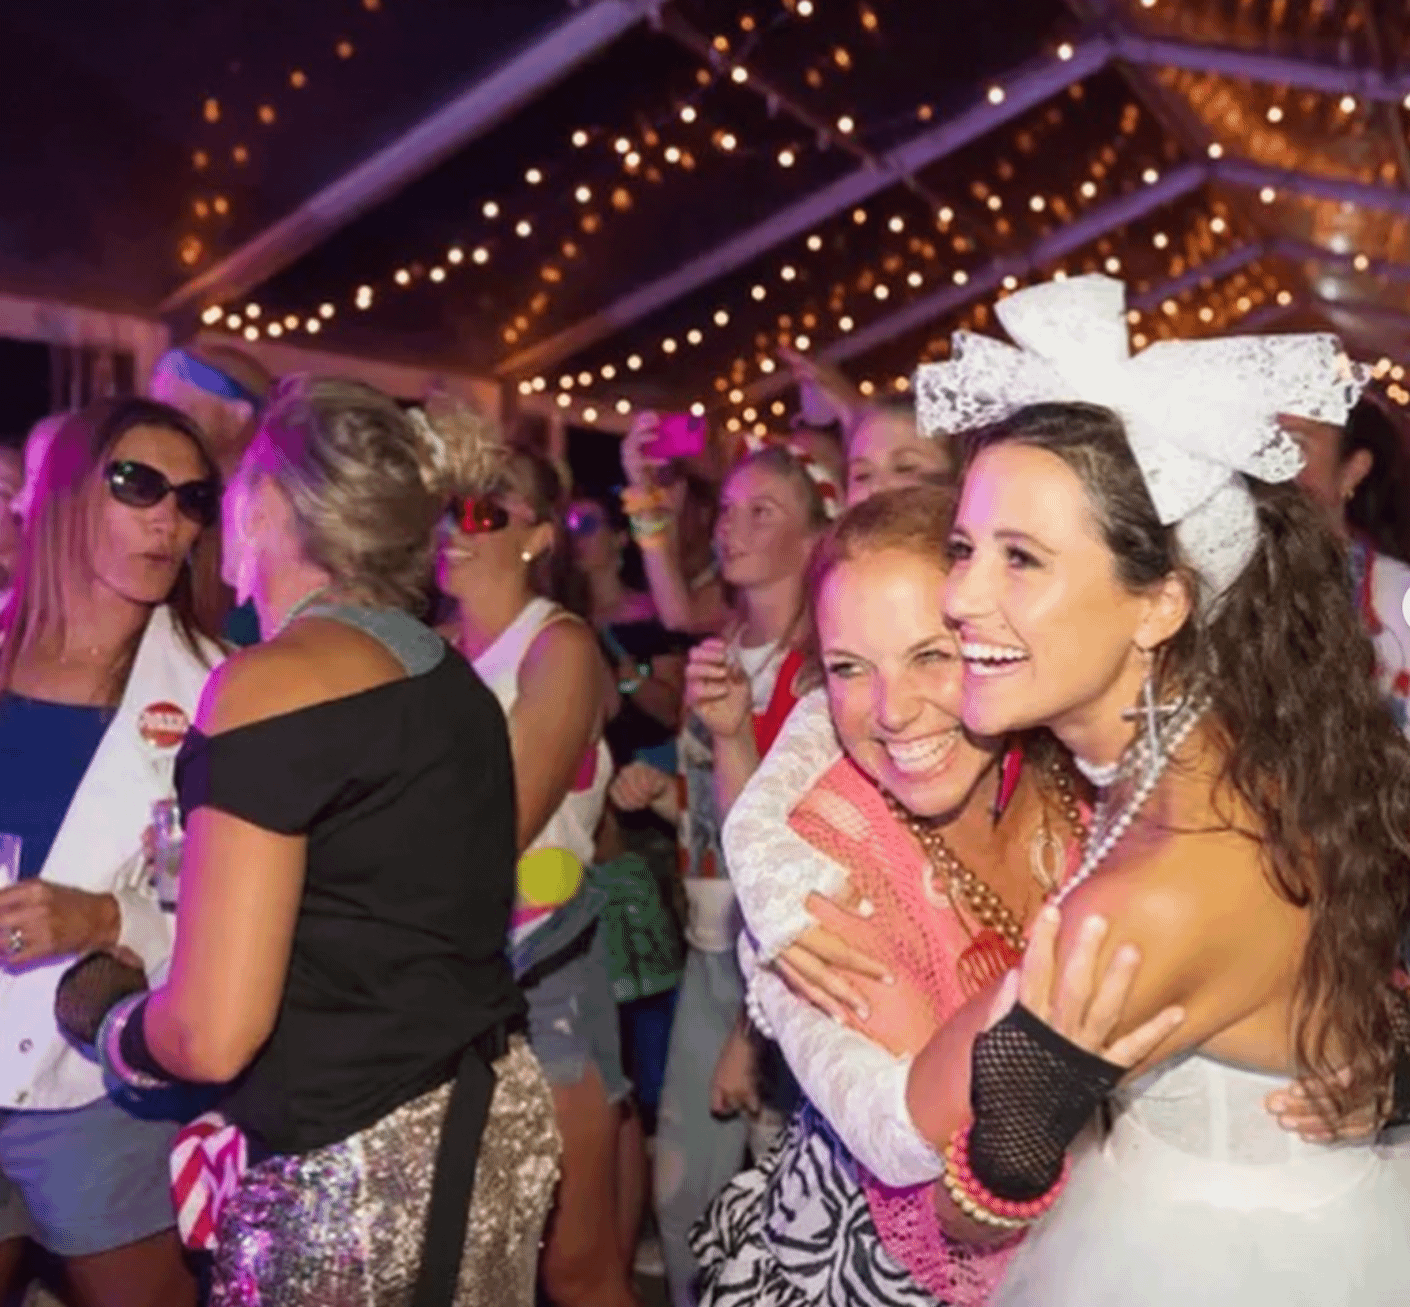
(548, 878)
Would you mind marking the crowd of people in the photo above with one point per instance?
(950, 853)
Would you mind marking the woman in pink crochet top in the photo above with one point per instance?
(943, 920)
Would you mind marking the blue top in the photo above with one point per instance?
(242, 625)
(45, 748)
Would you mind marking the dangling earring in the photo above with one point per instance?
(1149, 710)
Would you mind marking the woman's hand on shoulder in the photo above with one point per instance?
(1080, 999)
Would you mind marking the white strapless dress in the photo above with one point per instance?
(1196, 1198)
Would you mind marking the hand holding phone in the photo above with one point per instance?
(678, 435)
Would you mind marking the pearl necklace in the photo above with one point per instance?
(1108, 828)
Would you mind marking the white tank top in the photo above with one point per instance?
(546, 882)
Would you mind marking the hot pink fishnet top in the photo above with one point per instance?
(846, 817)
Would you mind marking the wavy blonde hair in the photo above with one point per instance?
(366, 480)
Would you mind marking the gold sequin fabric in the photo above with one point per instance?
(342, 1226)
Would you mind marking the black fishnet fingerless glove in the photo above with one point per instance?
(88, 989)
(1031, 1092)
(1400, 1085)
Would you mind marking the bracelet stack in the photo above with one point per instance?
(976, 1201)
(648, 510)
(109, 1044)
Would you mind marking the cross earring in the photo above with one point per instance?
(1152, 712)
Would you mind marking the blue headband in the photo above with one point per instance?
(206, 377)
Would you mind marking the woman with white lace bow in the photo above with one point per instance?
(950, 400)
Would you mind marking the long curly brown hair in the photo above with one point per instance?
(1309, 743)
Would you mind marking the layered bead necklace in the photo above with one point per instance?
(964, 885)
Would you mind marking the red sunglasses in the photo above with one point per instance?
(480, 515)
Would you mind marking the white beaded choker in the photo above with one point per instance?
(1107, 827)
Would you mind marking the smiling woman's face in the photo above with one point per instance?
(1048, 633)
(894, 680)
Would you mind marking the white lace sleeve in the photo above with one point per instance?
(772, 867)
(857, 1085)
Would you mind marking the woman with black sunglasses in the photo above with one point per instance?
(103, 654)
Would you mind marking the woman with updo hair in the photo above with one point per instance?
(347, 880)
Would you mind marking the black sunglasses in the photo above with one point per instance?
(139, 485)
(479, 516)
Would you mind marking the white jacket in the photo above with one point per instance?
(98, 848)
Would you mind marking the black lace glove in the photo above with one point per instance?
(1031, 1092)
(89, 989)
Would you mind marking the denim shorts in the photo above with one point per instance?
(573, 1022)
(88, 1179)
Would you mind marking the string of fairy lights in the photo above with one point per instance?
(216, 164)
(918, 251)
(602, 176)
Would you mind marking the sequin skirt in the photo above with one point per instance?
(342, 1226)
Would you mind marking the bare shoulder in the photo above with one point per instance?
(565, 645)
(311, 663)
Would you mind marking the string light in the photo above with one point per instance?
(1065, 51)
(437, 274)
(580, 139)
(274, 330)
(786, 158)
(589, 414)
(1275, 113)
(480, 255)
(534, 176)
(624, 406)
(212, 315)
(490, 210)
(234, 321)
(1215, 151)
(996, 95)
(846, 125)
(688, 114)
(1267, 195)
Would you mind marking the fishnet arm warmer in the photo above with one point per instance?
(772, 867)
(1031, 1092)
(88, 990)
(856, 1084)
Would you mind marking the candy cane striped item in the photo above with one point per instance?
(207, 1161)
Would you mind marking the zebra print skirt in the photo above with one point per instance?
(795, 1231)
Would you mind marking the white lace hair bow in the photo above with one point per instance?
(1199, 415)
